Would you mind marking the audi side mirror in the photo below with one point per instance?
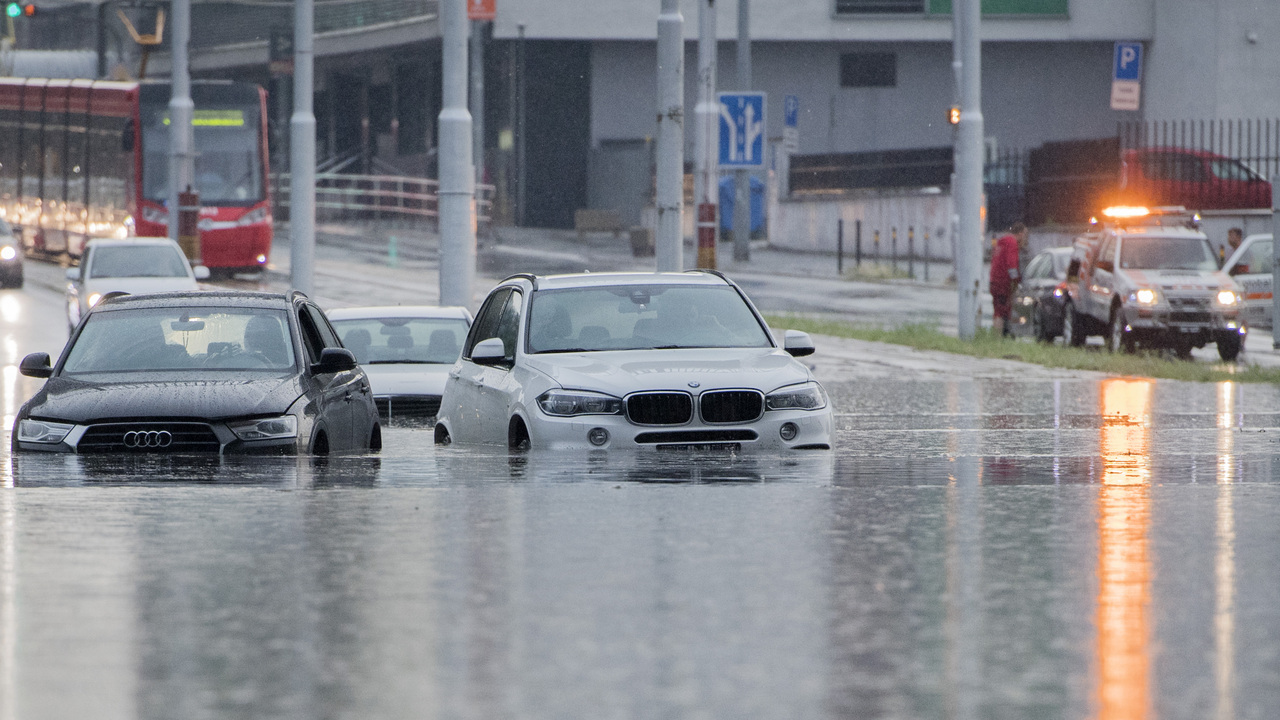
(491, 352)
(797, 344)
(334, 360)
(36, 365)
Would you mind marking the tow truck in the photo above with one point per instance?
(1148, 278)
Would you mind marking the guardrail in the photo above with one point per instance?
(341, 197)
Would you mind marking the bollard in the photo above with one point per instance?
(189, 224)
(707, 219)
(911, 251)
(877, 246)
(393, 251)
(893, 248)
(840, 248)
(857, 243)
(926, 254)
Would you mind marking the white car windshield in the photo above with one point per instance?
(137, 261)
(182, 338)
(394, 340)
(1167, 253)
(637, 317)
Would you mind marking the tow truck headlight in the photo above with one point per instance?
(806, 396)
(94, 298)
(1145, 296)
(567, 403)
(8, 253)
(1228, 297)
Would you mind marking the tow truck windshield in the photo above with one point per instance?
(1167, 253)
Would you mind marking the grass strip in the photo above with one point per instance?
(987, 345)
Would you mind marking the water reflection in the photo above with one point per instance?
(1224, 557)
(1124, 561)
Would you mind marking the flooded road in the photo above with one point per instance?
(990, 548)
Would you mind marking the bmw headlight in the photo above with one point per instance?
(276, 428)
(43, 431)
(1145, 296)
(805, 396)
(1228, 297)
(567, 403)
(8, 252)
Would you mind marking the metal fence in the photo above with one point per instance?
(1202, 164)
(342, 197)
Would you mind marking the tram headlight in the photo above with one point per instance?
(255, 216)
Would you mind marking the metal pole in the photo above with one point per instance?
(457, 176)
(302, 152)
(840, 248)
(967, 193)
(669, 244)
(476, 99)
(1275, 263)
(706, 175)
(857, 243)
(742, 178)
(181, 108)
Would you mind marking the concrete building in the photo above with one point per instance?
(869, 74)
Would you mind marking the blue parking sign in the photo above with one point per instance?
(741, 129)
(1128, 61)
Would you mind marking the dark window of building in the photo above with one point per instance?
(868, 70)
(859, 7)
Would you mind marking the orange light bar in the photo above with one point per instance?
(1126, 211)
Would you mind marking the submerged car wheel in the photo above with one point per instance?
(1038, 329)
(1071, 330)
(517, 436)
(1117, 339)
(442, 435)
(1229, 347)
(375, 438)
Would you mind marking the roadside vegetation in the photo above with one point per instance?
(988, 345)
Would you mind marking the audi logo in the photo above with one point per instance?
(148, 439)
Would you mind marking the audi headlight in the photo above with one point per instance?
(1145, 296)
(8, 253)
(1228, 297)
(276, 428)
(806, 396)
(567, 403)
(43, 431)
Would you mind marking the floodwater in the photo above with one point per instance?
(972, 549)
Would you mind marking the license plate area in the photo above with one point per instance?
(731, 447)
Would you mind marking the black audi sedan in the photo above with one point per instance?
(200, 373)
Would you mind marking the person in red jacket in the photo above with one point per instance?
(1005, 274)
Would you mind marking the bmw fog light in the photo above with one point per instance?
(598, 436)
(285, 426)
(788, 431)
(42, 431)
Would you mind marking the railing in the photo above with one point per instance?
(342, 197)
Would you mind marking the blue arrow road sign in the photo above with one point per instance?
(741, 130)
(1128, 61)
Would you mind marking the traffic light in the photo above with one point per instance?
(14, 9)
(954, 116)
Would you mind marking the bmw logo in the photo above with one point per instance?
(694, 383)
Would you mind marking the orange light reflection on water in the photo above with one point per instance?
(1124, 563)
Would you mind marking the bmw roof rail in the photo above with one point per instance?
(710, 271)
(533, 279)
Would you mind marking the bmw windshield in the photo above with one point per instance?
(639, 317)
(182, 338)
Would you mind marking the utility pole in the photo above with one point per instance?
(1275, 261)
(707, 116)
(476, 99)
(457, 175)
(181, 109)
(302, 151)
(967, 192)
(742, 178)
(521, 217)
(669, 243)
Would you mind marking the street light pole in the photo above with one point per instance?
(457, 174)
(707, 116)
(742, 178)
(181, 109)
(669, 243)
(967, 193)
(302, 152)
(477, 97)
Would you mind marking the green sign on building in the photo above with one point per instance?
(1007, 7)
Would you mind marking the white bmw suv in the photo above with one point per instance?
(661, 361)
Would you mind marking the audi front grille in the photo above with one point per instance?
(659, 408)
(149, 437)
(731, 406)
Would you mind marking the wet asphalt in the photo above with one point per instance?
(982, 543)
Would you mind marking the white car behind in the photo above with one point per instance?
(406, 351)
(133, 265)
(1250, 266)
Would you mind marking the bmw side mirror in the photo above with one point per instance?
(36, 365)
(491, 352)
(73, 274)
(334, 360)
(201, 272)
(797, 343)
